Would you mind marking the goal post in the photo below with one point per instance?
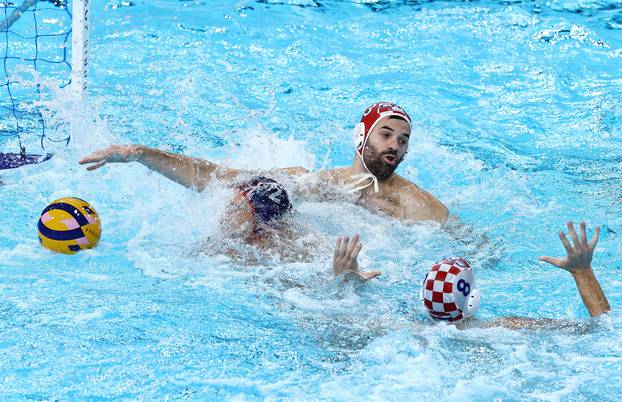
(80, 48)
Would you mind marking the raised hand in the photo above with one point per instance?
(112, 154)
(345, 258)
(578, 262)
(579, 255)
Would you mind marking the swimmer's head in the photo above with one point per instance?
(381, 138)
(267, 199)
(448, 291)
(257, 203)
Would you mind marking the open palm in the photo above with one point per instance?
(579, 255)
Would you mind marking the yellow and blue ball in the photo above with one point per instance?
(69, 225)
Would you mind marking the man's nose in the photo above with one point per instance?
(393, 144)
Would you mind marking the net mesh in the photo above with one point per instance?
(36, 60)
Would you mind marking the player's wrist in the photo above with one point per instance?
(582, 273)
(135, 152)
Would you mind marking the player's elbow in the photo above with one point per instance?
(441, 213)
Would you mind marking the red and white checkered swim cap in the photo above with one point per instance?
(448, 291)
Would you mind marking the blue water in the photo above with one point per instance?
(518, 129)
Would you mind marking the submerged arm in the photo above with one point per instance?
(317, 186)
(468, 235)
(511, 323)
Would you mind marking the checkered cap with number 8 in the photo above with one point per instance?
(448, 291)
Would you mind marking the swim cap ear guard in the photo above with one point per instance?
(448, 291)
(359, 136)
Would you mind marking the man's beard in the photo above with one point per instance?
(376, 165)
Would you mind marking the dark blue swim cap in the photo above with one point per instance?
(267, 197)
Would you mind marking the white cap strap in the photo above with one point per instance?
(361, 178)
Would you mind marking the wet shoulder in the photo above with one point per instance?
(334, 176)
(405, 186)
(412, 194)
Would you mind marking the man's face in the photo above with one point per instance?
(386, 146)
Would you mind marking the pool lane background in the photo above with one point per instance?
(518, 129)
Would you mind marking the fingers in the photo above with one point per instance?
(583, 234)
(583, 241)
(343, 248)
(553, 261)
(94, 157)
(573, 234)
(347, 247)
(356, 251)
(369, 275)
(114, 153)
(594, 240)
(96, 166)
(346, 253)
(97, 156)
(565, 242)
(337, 248)
(354, 241)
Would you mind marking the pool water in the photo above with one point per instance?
(518, 128)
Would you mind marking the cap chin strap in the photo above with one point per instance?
(360, 178)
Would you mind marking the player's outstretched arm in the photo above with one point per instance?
(578, 262)
(190, 172)
(345, 258)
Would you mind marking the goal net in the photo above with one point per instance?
(44, 50)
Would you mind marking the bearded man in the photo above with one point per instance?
(381, 141)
